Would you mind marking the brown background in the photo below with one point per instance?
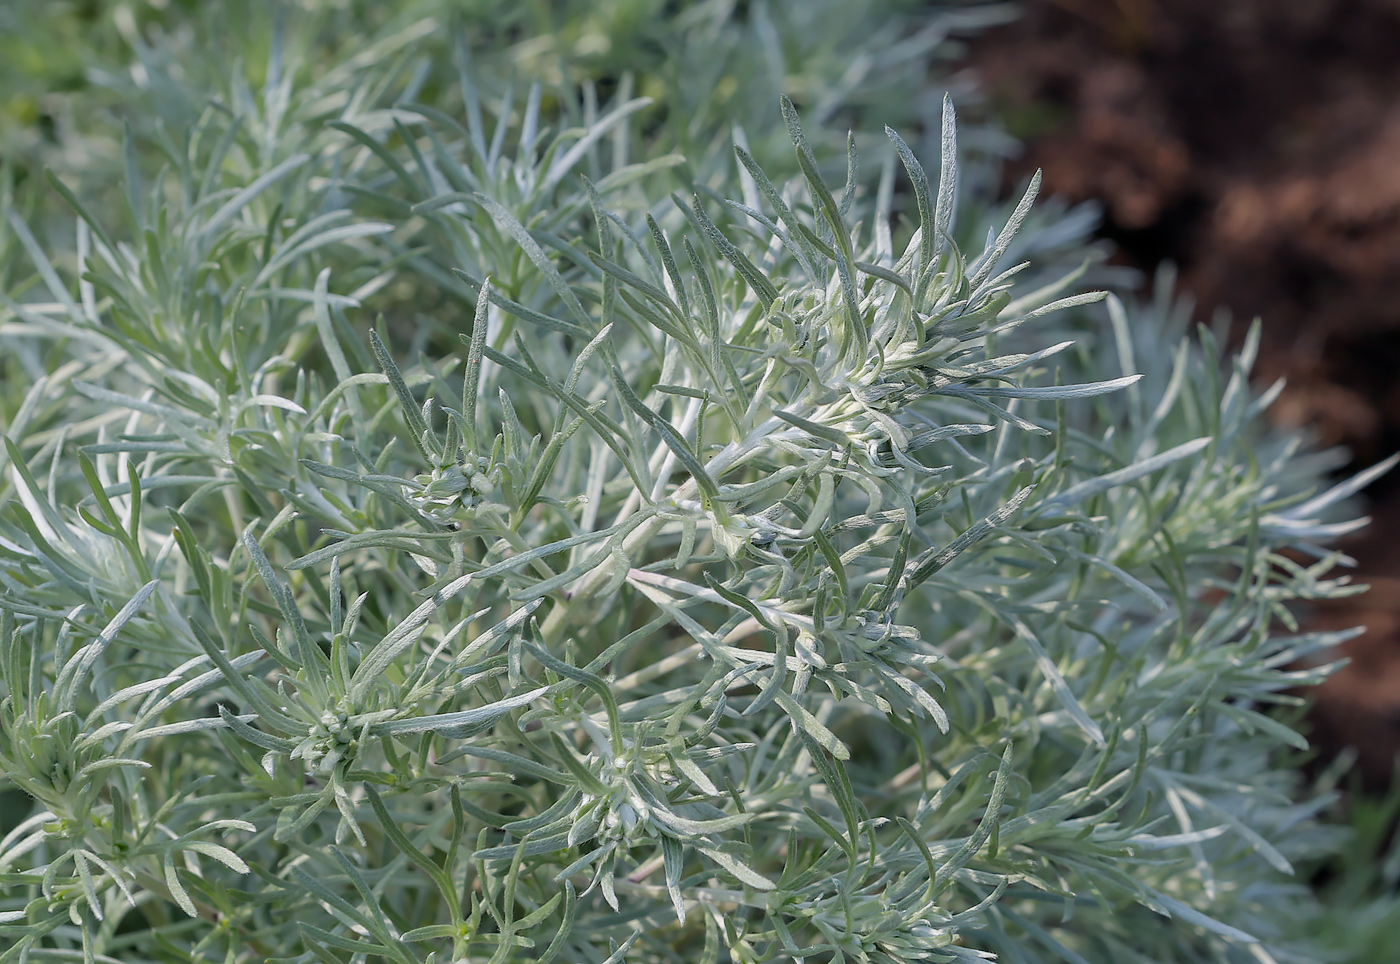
(1256, 143)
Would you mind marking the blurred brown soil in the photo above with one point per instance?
(1256, 143)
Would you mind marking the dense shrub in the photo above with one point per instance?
(496, 488)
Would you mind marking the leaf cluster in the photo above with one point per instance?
(451, 521)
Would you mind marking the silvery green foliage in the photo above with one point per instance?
(699, 562)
